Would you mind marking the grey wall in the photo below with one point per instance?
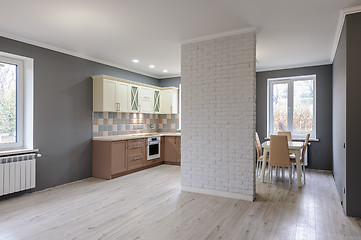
(339, 116)
(320, 153)
(170, 82)
(347, 115)
(63, 110)
(353, 115)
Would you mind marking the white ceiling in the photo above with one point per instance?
(290, 33)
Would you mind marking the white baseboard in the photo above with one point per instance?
(219, 193)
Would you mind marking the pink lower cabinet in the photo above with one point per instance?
(109, 159)
(171, 150)
(136, 153)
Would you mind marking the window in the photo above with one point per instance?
(16, 102)
(11, 103)
(292, 105)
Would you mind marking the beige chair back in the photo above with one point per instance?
(305, 146)
(258, 147)
(279, 155)
(288, 134)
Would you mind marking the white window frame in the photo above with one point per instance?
(290, 81)
(19, 103)
(25, 102)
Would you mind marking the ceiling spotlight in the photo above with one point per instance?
(151, 66)
(165, 70)
(135, 61)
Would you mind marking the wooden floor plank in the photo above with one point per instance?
(150, 205)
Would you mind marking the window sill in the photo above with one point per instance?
(17, 152)
(299, 139)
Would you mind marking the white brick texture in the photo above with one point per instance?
(219, 114)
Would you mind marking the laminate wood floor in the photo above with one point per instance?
(150, 205)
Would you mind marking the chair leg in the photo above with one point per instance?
(304, 173)
(260, 167)
(270, 173)
(290, 176)
(276, 172)
(283, 173)
(257, 168)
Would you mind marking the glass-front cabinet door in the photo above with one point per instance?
(156, 101)
(134, 102)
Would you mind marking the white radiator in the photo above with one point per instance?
(17, 173)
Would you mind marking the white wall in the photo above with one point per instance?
(219, 116)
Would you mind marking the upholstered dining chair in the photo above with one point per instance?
(279, 155)
(259, 155)
(302, 159)
(288, 134)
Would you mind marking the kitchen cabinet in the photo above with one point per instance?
(115, 158)
(156, 101)
(110, 96)
(134, 98)
(118, 158)
(122, 97)
(171, 150)
(146, 97)
(136, 153)
(169, 101)
(109, 158)
(104, 95)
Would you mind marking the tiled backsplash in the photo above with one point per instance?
(110, 124)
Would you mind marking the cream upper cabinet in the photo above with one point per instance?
(134, 98)
(104, 95)
(146, 99)
(165, 102)
(156, 101)
(122, 97)
(175, 100)
(112, 94)
(169, 101)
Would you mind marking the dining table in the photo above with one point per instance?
(293, 148)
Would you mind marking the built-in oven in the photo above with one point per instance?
(153, 148)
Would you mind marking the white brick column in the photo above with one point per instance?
(219, 116)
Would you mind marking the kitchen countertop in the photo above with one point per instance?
(134, 136)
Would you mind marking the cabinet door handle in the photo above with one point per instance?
(135, 147)
(136, 158)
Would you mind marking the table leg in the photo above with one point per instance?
(298, 166)
(264, 162)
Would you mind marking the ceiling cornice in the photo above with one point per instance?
(171, 76)
(218, 35)
(293, 66)
(340, 23)
(61, 50)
